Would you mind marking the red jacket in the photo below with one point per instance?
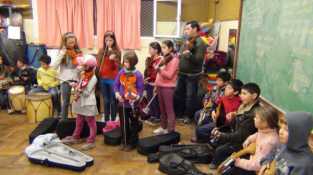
(150, 71)
(230, 104)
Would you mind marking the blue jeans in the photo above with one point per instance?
(54, 94)
(203, 131)
(185, 98)
(110, 103)
(66, 90)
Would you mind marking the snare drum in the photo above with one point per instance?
(38, 106)
(17, 98)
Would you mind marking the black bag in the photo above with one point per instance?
(66, 128)
(48, 125)
(151, 144)
(114, 137)
(198, 153)
(173, 164)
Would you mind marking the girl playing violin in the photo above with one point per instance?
(85, 105)
(68, 62)
(128, 88)
(165, 85)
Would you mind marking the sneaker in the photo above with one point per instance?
(10, 111)
(23, 111)
(193, 140)
(160, 131)
(88, 146)
(212, 166)
(69, 140)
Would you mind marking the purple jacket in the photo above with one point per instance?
(119, 87)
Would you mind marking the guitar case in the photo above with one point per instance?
(151, 144)
(66, 128)
(48, 125)
(173, 164)
(196, 153)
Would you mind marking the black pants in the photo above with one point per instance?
(185, 96)
(222, 152)
(129, 126)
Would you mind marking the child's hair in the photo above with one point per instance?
(236, 85)
(270, 115)
(225, 76)
(65, 37)
(156, 46)
(110, 34)
(169, 44)
(132, 58)
(194, 24)
(21, 60)
(252, 88)
(45, 59)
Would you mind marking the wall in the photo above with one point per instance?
(191, 10)
(224, 9)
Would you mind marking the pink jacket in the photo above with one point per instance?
(167, 76)
(266, 140)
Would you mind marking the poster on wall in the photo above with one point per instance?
(232, 41)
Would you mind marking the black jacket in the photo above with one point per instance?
(242, 127)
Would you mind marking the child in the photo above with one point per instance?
(4, 85)
(165, 85)
(241, 128)
(128, 88)
(48, 82)
(84, 104)
(25, 75)
(266, 139)
(109, 58)
(228, 103)
(294, 156)
(150, 75)
(67, 62)
(210, 100)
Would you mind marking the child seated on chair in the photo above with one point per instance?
(24, 75)
(210, 101)
(266, 139)
(293, 156)
(241, 127)
(48, 82)
(228, 103)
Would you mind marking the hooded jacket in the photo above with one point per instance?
(296, 158)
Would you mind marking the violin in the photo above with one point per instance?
(190, 43)
(85, 77)
(167, 58)
(128, 80)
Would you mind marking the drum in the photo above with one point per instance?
(17, 98)
(38, 106)
(5, 84)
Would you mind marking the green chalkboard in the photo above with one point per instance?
(276, 51)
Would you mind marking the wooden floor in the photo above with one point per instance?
(14, 131)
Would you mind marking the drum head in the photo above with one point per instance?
(16, 90)
(38, 96)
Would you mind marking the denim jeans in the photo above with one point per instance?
(54, 95)
(154, 106)
(185, 98)
(66, 95)
(110, 103)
